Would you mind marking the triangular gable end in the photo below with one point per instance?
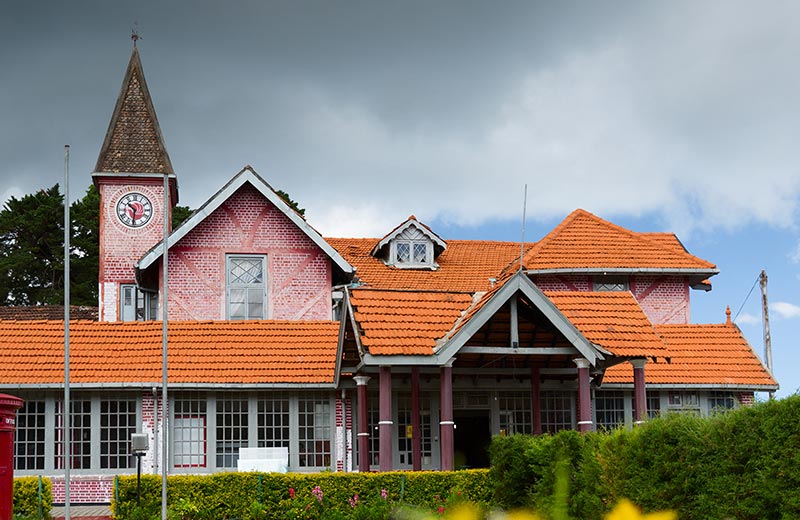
(439, 245)
(133, 141)
(246, 175)
(519, 283)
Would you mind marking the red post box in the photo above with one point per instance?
(8, 421)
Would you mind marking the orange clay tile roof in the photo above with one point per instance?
(701, 355)
(407, 323)
(47, 312)
(465, 266)
(246, 352)
(585, 241)
(612, 320)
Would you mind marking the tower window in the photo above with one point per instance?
(137, 304)
(610, 283)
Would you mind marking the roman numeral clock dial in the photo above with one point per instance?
(134, 210)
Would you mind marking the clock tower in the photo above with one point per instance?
(129, 176)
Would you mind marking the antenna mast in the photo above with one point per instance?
(765, 315)
(522, 242)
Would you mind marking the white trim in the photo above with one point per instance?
(246, 175)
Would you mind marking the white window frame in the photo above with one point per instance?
(412, 262)
(143, 304)
(262, 287)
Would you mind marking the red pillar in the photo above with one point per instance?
(639, 391)
(416, 422)
(8, 420)
(385, 420)
(446, 424)
(536, 401)
(584, 396)
(363, 423)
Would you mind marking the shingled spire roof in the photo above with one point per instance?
(133, 142)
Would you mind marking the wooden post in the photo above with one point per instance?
(416, 422)
(639, 391)
(584, 396)
(363, 423)
(385, 420)
(536, 401)
(446, 424)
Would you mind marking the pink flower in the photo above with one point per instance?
(291, 492)
(441, 510)
(354, 500)
(383, 494)
(317, 492)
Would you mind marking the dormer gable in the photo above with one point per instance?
(411, 245)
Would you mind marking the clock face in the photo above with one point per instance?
(134, 210)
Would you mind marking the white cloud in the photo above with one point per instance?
(785, 310)
(747, 319)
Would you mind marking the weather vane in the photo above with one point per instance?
(135, 33)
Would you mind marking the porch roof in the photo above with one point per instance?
(212, 352)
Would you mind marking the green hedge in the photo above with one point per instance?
(237, 495)
(743, 464)
(26, 497)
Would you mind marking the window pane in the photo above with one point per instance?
(29, 438)
(314, 418)
(117, 424)
(403, 252)
(189, 431)
(232, 415)
(80, 434)
(556, 411)
(610, 409)
(420, 253)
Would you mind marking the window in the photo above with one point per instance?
(80, 448)
(404, 438)
(557, 411)
(414, 252)
(189, 431)
(273, 421)
(687, 402)
(720, 402)
(247, 289)
(30, 435)
(653, 405)
(610, 283)
(117, 424)
(137, 304)
(231, 428)
(515, 413)
(609, 409)
(314, 430)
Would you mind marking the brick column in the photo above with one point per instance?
(639, 391)
(584, 396)
(416, 422)
(446, 424)
(536, 401)
(385, 420)
(363, 423)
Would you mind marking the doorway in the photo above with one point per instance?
(471, 438)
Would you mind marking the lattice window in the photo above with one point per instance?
(413, 252)
(687, 402)
(609, 409)
(232, 419)
(117, 424)
(314, 430)
(189, 434)
(610, 283)
(515, 413)
(246, 287)
(373, 417)
(80, 434)
(29, 440)
(557, 411)
(420, 252)
(404, 438)
(273, 421)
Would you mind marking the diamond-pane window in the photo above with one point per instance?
(420, 253)
(403, 252)
(246, 288)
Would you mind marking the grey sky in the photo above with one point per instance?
(368, 111)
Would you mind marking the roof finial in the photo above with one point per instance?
(135, 33)
(728, 315)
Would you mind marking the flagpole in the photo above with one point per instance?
(66, 416)
(164, 364)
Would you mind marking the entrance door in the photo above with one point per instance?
(471, 438)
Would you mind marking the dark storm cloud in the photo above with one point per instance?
(369, 111)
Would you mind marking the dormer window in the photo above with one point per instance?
(411, 245)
